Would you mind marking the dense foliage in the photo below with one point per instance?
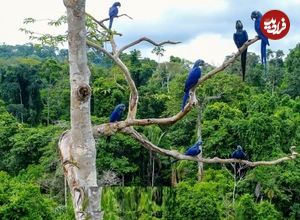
(261, 114)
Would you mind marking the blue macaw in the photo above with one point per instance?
(240, 37)
(191, 81)
(113, 12)
(239, 153)
(117, 113)
(239, 169)
(193, 150)
(264, 40)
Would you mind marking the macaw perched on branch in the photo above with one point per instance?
(193, 150)
(116, 116)
(113, 12)
(239, 154)
(264, 40)
(240, 37)
(117, 113)
(191, 81)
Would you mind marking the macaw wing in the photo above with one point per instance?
(260, 34)
(245, 34)
(235, 39)
(257, 25)
(233, 154)
(192, 79)
(113, 116)
(113, 11)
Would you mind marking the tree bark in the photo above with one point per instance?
(77, 146)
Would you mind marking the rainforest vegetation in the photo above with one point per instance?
(261, 114)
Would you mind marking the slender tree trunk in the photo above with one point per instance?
(234, 187)
(21, 101)
(174, 177)
(199, 135)
(153, 169)
(168, 82)
(77, 146)
(48, 106)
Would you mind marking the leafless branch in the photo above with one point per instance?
(125, 126)
(108, 129)
(148, 40)
(107, 19)
(227, 63)
(133, 99)
(150, 146)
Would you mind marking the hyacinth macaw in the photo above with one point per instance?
(240, 37)
(264, 40)
(113, 12)
(239, 169)
(193, 150)
(191, 81)
(117, 113)
(116, 116)
(239, 153)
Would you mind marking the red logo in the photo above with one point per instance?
(275, 24)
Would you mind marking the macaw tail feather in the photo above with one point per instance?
(184, 100)
(243, 63)
(263, 53)
(110, 23)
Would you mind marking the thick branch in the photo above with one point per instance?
(147, 144)
(148, 40)
(108, 129)
(134, 97)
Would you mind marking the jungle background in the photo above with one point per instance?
(262, 114)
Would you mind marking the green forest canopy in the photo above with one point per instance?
(261, 114)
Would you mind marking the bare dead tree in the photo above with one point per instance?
(77, 146)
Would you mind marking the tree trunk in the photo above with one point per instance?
(199, 135)
(174, 177)
(77, 146)
(48, 106)
(153, 169)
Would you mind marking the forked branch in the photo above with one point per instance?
(147, 40)
(108, 129)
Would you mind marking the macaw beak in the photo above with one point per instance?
(253, 15)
